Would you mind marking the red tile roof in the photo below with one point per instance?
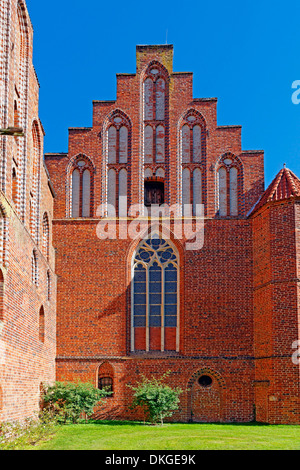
(284, 186)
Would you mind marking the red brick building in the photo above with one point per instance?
(222, 316)
(27, 277)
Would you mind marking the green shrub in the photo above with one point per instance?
(157, 399)
(68, 401)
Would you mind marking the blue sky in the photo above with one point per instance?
(245, 53)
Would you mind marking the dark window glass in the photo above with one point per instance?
(105, 383)
(155, 286)
(205, 381)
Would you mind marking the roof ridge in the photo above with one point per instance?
(275, 183)
(285, 185)
(292, 177)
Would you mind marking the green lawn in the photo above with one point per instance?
(112, 435)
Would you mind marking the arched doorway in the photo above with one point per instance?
(206, 397)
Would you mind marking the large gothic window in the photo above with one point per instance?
(155, 294)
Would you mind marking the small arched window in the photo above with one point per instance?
(192, 138)
(34, 189)
(16, 117)
(22, 45)
(228, 187)
(118, 158)
(14, 186)
(48, 285)
(42, 325)
(105, 378)
(191, 141)
(82, 189)
(118, 139)
(34, 268)
(106, 383)
(46, 236)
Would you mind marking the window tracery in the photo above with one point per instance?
(155, 294)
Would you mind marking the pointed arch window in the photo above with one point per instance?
(118, 159)
(34, 268)
(46, 236)
(154, 95)
(228, 176)
(191, 190)
(14, 186)
(34, 190)
(191, 141)
(42, 325)
(192, 138)
(48, 286)
(16, 118)
(118, 140)
(22, 69)
(82, 189)
(154, 113)
(155, 297)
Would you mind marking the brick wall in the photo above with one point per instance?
(276, 307)
(233, 298)
(25, 361)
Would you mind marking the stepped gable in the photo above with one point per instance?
(284, 186)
